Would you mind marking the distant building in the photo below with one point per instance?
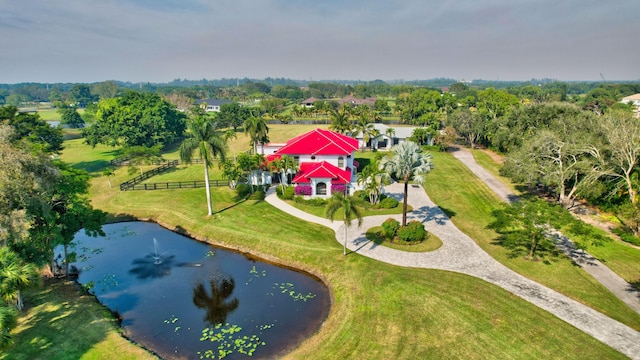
(308, 102)
(635, 101)
(370, 101)
(386, 139)
(212, 104)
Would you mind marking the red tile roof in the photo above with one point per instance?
(320, 142)
(322, 169)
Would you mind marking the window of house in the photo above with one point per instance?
(341, 162)
(313, 157)
(321, 189)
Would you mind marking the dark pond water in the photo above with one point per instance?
(185, 299)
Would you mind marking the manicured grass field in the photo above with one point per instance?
(379, 311)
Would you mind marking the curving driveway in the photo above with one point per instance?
(461, 254)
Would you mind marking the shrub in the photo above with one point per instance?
(390, 227)
(413, 232)
(289, 193)
(317, 202)
(388, 203)
(303, 190)
(361, 195)
(626, 236)
(243, 190)
(335, 188)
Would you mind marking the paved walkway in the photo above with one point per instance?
(461, 254)
(612, 281)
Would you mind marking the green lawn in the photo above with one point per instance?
(59, 324)
(469, 203)
(484, 159)
(379, 311)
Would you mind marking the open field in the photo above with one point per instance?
(379, 310)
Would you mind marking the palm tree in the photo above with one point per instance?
(8, 321)
(408, 163)
(288, 166)
(257, 129)
(350, 209)
(340, 121)
(15, 276)
(209, 143)
(216, 304)
(373, 178)
(365, 127)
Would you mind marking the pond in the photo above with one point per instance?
(186, 299)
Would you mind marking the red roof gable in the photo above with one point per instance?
(320, 142)
(322, 169)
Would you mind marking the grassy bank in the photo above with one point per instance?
(60, 324)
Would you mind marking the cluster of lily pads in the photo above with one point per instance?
(228, 342)
(288, 289)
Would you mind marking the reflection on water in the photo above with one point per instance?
(185, 299)
(152, 266)
(216, 305)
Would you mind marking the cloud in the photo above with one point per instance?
(159, 40)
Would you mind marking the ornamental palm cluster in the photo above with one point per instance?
(407, 163)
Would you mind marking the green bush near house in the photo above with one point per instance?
(388, 203)
(412, 233)
(390, 227)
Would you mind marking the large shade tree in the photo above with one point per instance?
(350, 211)
(32, 129)
(407, 163)
(135, 119)
(209, 143)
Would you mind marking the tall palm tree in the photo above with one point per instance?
(365, 127)
(350, 209)
(257, 129)
(209, 143)
(407, 163)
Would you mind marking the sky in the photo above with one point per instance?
(88, 41)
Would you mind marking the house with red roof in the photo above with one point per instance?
(325, 161)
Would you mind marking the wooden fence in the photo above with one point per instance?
(124, 161)
(178, 185)
(147, 174)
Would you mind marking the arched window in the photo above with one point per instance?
(341, 162)
(321, 189)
